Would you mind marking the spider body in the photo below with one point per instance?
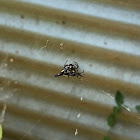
(70, 70)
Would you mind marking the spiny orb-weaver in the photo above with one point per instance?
(70, 70)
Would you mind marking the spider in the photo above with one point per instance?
(70, 70)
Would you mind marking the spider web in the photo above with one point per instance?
(50, 53)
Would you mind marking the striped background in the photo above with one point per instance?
(36, 39)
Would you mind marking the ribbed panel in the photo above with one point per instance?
(36, 39)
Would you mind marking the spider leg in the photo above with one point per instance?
(79, 75)
(65, 63)
(82, 72)
(60, 74)
(76, 64)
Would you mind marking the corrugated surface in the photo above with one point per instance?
(36, 39)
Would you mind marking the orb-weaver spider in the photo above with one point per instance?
(70, 70)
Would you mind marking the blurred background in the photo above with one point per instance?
(37, 37)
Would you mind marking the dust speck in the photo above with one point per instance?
(76, 131)
(63, 22)
(11, 60)
(17, 52)
(22, 16)
(78, 116)
(105, 43)
(5, 65)
(90, 65)
(61, 45)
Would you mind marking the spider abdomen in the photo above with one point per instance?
(70, 70)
